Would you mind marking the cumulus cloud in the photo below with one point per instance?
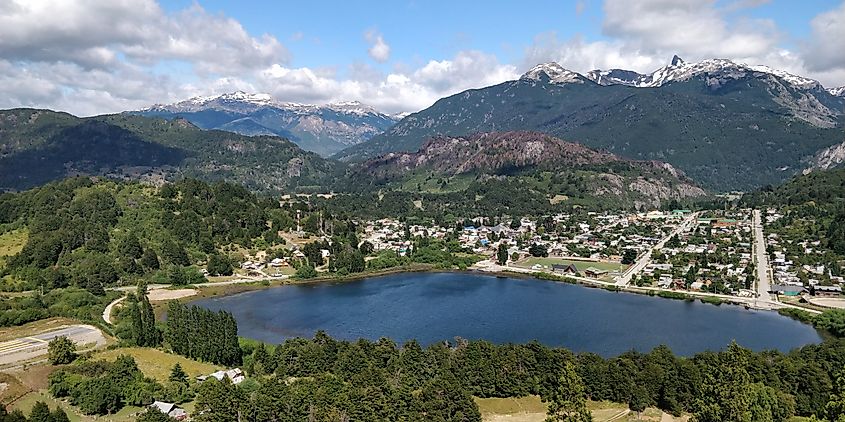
(825, 51)
(643, 35)
(379, 50)
(406, 90)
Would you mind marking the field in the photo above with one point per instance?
(581, 265)
(157, 364)
(12, 242)
(531, 409)
(25, 403)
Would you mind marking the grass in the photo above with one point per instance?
(510, 405)
(531, 409)
(25, 403)
(581, 265)
(12, 388)
(12, 242)
(157, 364)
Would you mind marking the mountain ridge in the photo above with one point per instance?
(323, 129)
(729, 128)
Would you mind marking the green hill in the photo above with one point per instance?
(38, 146)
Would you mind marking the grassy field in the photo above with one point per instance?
(531, 409)
(581, 265)
(12, 242)
(157, 364)
(25, 403)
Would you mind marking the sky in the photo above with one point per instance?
(90, 57)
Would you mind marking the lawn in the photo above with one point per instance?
(157, 364)
(581, 265)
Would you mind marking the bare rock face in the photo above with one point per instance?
(295, 167)
(502, 154)
(828, 158)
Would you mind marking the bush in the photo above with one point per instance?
(61, 350)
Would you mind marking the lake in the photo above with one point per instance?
(432, 307)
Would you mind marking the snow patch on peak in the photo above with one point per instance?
(554, 72)
(837, 92)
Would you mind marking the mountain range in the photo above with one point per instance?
(727, 125)
(324, 129)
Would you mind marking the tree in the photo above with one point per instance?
(149, 260)
(835, 408)
(177, 374)
(502, 254)
(629, 256)
(40, 412)
(305, 271)
(130, 247)
(568, 401)
(538, 250)
(61, 350)
(174, 253)
(366, 247)
(219, 265)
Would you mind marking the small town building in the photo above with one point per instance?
(788, 290)
(170, 409)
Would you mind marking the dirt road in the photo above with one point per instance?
(25, 348)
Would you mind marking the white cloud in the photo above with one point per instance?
(826, 49)
(407, 90)
(644, 34)
(379, 50)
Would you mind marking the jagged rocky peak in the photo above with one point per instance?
(677, 61)
(837, 92)
(554, 73)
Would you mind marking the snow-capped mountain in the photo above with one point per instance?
(552, 72)
(679, 70)
(837, 92)
(324, 129)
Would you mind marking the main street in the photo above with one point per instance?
(762, 260)
(644, 258)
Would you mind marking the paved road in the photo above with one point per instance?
(643, 260)
(762, 259)
(26, 348)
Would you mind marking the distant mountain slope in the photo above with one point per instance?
(825, 189)
(559, 170)
(37, 146)
(727, 126)
(321, 129)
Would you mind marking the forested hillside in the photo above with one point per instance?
(38, 146)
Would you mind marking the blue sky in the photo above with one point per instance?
(91, 57)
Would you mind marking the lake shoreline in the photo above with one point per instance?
(252, 307)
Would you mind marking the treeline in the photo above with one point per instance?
(40, 412)
(324, 378)
(71, 302)
(199, 333)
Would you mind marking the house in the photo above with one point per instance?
(170, 409)
(564, 269)
(594, 272)
(788, 290)
(235, 375)
(827, 291)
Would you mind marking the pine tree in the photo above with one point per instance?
(177, 374)
(568, 401)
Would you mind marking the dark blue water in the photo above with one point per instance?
(439, 306)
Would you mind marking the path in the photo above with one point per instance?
(644, 258)
(29, 347)
(164, 296)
